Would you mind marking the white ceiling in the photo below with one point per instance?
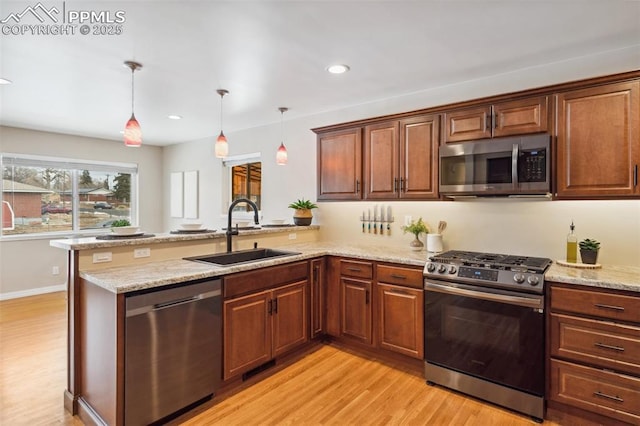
(274, 53)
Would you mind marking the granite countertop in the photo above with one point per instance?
(85, 243)
(615, 277)
(125, 279)
(156, 274)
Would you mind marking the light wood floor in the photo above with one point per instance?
(327, 387)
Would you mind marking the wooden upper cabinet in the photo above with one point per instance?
(340, 165)
(522, 116)
(400, 158)
(598, 148)
(467, 124)
(381, 161)
(419, 140)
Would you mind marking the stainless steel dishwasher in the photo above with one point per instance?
(172, 350)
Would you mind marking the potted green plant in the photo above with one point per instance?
(302, 215)
(589, 251)
(416, 228)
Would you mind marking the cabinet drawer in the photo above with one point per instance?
(264, 278)
(610, 394)
(408, 277)
(354, 268)
(596, 303)
(604, 344)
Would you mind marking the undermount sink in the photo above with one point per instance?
(243, 256)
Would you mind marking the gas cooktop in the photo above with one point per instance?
(520, 273)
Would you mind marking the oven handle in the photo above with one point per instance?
(534, 302)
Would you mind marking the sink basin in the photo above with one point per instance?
(243, 256)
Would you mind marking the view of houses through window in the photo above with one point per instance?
(45, 195)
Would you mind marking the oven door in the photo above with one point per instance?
(490, 334)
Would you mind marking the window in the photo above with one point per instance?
(43, 195)
(246, 183)
(246, 179)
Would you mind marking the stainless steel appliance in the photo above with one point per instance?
(173, 343)
(515, 166)
(484, 327)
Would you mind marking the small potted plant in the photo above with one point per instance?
(589, 251)
(302, 215)
(416, 228)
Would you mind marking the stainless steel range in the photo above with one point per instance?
(484, 327)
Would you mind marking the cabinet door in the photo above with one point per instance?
(340, 165)
(520, 117)
(598, 150)
(317, 297)
(381, 161)
(467, 124)
(289, 310)
(356, 309)
(247, 333)
(419, 157)
(401, 320)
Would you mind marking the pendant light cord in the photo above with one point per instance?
(132, 92)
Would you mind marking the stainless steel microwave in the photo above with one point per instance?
(497, 167)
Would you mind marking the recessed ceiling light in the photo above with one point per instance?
(5, 81)
(174, 117)
(338, 69)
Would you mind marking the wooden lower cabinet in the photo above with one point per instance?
(318, 297)
(356, 309)
(604, 392)
(400, 320)
(380, 305)
(261, 326)
(594, 352)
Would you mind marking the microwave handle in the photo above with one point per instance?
(514, 165)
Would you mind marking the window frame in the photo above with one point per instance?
(75, 168)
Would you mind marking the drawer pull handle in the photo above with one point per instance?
(604, 395)
(398, 277)
(351, 268)
(612, 347)
(613, 308)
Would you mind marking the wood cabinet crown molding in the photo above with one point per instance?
(522, 94)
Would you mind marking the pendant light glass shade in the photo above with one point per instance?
(132, 131)
(281, 154)
(222, 146)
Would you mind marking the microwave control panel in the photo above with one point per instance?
(532, 165)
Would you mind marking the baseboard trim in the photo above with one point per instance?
(32, 292)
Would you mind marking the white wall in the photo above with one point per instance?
(26, 265)
(535, 228)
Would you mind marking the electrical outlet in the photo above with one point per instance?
(142, 252)
(102, 257)
(293, 236)
(407, 220)
(55, 270)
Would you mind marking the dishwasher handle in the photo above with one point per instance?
(172, 303)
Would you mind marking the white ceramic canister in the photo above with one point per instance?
(434, 243)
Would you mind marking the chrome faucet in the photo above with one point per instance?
(232, 232)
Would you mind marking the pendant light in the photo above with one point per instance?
(281, 155)
(132, 132)
(222, 147)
